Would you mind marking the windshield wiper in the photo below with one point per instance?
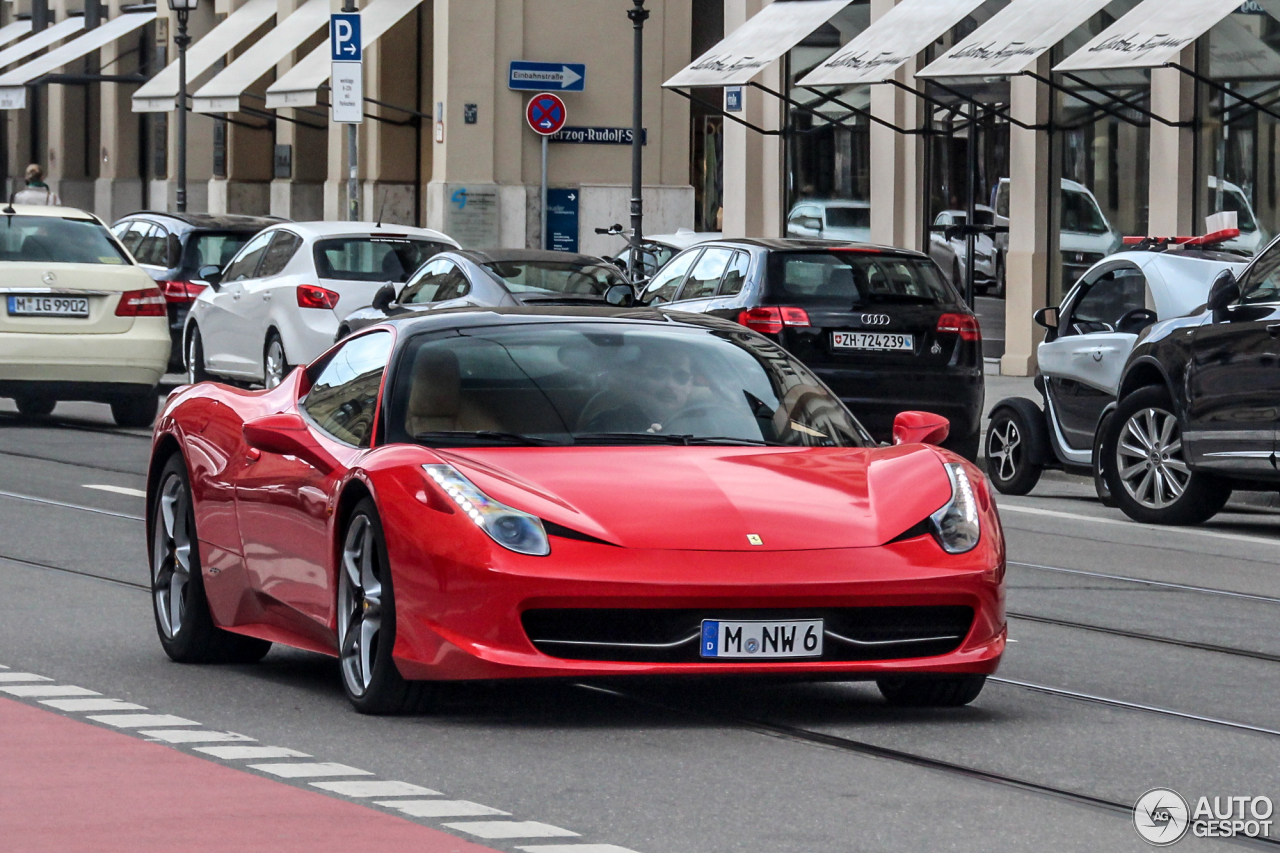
(456, 436)
(667, 438)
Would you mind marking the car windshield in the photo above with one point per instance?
(373, 258)
(216, 248)
(846, 278)
(610, 383)
(555, 278)
(849, 217)
(1080, 213)
(55, 240)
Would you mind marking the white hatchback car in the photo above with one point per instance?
(280, 299)
(81, 319)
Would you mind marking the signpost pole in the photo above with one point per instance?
(543, 238)
(637, 16)
(348, 50)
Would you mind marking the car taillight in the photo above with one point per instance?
(142, 303)
(770, 319)
(180, 291)
(310, 296)
(965, 325)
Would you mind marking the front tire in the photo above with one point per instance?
(137, 411)
(275, 367)
(1145, 467)
(1013, 447)
(196, 371)
(34, 406)
(367, 622)
(181, 610)
(931, 691)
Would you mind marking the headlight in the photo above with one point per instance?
(955, 526)
(512, 529)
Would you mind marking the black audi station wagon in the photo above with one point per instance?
(882, 327)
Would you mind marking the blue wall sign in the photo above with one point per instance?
(733, 99)
(344, 37)
(562, 220)
(547, 76)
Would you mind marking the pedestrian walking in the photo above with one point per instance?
(36, 190)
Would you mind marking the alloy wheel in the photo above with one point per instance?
(1004, 447)
(274, 364)
(171, 570)
(359, 605)
(1149, 458)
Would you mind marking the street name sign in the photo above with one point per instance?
(598, 136)
(346, 88)
(538, 76)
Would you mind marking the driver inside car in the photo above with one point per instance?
(659, 396)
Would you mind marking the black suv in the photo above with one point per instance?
(882, 327)
(172, 247)
(1199, 404)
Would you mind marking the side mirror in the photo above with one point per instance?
(920, 428)
(211, 273)
(621, 295)
(384, 297)
(286, 434)
(1046, 317)
(1225, 290)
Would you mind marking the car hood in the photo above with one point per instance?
(713, 498)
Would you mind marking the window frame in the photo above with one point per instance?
(278, 237)
(245, 250)
(316, 369)
(1066, 327)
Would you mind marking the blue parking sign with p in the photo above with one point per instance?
(344, 37)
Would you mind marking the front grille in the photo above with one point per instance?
(671, 636)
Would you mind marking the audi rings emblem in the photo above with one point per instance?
(875, 319)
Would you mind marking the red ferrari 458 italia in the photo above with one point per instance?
(564, 493)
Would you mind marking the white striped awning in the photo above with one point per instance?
(12, 32)
(160, 93)
(13, 84)
(1150, 36)
(39, 41)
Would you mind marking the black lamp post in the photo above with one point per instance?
(183, 8)
(638, 15)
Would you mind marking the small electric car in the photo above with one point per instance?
(1088, 340)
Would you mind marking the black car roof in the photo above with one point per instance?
(207, 221)
(797, 244)
(467, 317)
(489, 256)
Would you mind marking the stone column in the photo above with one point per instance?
(1173, 168)
(300, 194)
(1030, 203)
(897, 174)
(753, 197)
(118, 186)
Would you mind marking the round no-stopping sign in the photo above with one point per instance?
(546, 114)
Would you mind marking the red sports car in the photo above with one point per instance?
(565, 493)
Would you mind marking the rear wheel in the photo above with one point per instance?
(939, 691)
(181, 609)
(1013, 448)
(34, 405)
(367, 622)
(135, 410)
(275, 367)
(195, 358)
(1145, 466)
(1099, 481)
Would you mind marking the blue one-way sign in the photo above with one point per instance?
(547, 76)
(344, 37)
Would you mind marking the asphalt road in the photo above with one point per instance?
(1141, 657)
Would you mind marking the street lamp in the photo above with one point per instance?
(183, 8)
(638, 14)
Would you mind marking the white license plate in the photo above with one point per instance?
(799, 639)
(872, 341)
(48, 306)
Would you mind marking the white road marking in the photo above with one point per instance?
(1154, 528)
(21, 676)
(233, 753)
(119, 490)
(440, 808)
(302, 771)
(376, 788)
(83, 705)
(17, 497)
(37, 690)
(137, 721)
(189, 736)
(511, 829)
(575, 848)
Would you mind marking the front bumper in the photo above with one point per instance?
(137, 357)
(459, 622)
